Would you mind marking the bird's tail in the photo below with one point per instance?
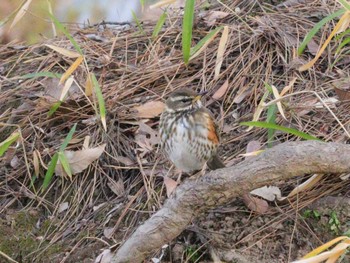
(215, 163)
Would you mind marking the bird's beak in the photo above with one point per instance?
(199, 96)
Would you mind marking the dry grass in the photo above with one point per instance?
(134, 69)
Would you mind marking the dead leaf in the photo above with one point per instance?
(162, 3)
(105, 257)
(170, 185)
(80, 160)
(288, 87)
(63, 51)
(278, 103)
(221, 51)
(212, 16)
(309, 183)
(259, 110)
(221, 91)
(150, 109)
(255, 204)
(21, 12)
(124, 160)
(62, 207)
(89, 85)
(71, 69)
(108, 232)
(54, 89)
(343, 21)
(36, 162)
(66, 87)
(269, 193)
(145, 129)
(253, 146)
(117, 187)
(15, 162)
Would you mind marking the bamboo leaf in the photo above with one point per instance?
(68, 138)
(280, 128)
(6, 144)
(65, 164)
(316, 28)
(21, 12)
(159, 25)
(49, 172)
(71, 69)
(187, 25)
(204, 42)
(40, 74)
(344, 19)
(61, 28)
(101, 102)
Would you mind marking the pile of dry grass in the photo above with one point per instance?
(124, 187)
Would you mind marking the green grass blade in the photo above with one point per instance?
(41, 74)
(53, 108)
(280, 128)
(6, 144)
(68, 138)
(187, 25)
(345, 4)
(271, 118)
(50, 171)
(342, 44)
(61, 28)
(342, 34)
(204, 40)
(137, 21)
(65, 164)
(159, 25)
(317, 27)
(101, 102)
(142, 3)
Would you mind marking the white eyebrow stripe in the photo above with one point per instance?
(177, 98)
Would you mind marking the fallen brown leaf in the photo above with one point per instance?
(221, 91)
(150, 109)
(255, 204)
(170, 185)
(212, 16)
(80, 160)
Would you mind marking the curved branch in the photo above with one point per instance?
(197, 195)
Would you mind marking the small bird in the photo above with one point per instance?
(188, 132)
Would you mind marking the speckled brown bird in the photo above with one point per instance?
(188, 132)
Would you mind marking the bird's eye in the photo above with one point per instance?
(185, 100)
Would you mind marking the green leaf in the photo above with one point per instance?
(204, 40)
(187, 25)
(345, 4)
(65, 164)
(49, 172)
(53, 108)
(60, 27)
(271, 118)
(101, 102)
(342, 44)
(6, 144)
(68, 138)
(41, 74)
(137, 21)
(280, 128)
(159, 25)
(317, 27)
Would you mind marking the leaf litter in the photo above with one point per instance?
(138, 77)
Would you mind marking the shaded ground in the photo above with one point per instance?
(73, 219)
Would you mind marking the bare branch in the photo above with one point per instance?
(218, 187)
